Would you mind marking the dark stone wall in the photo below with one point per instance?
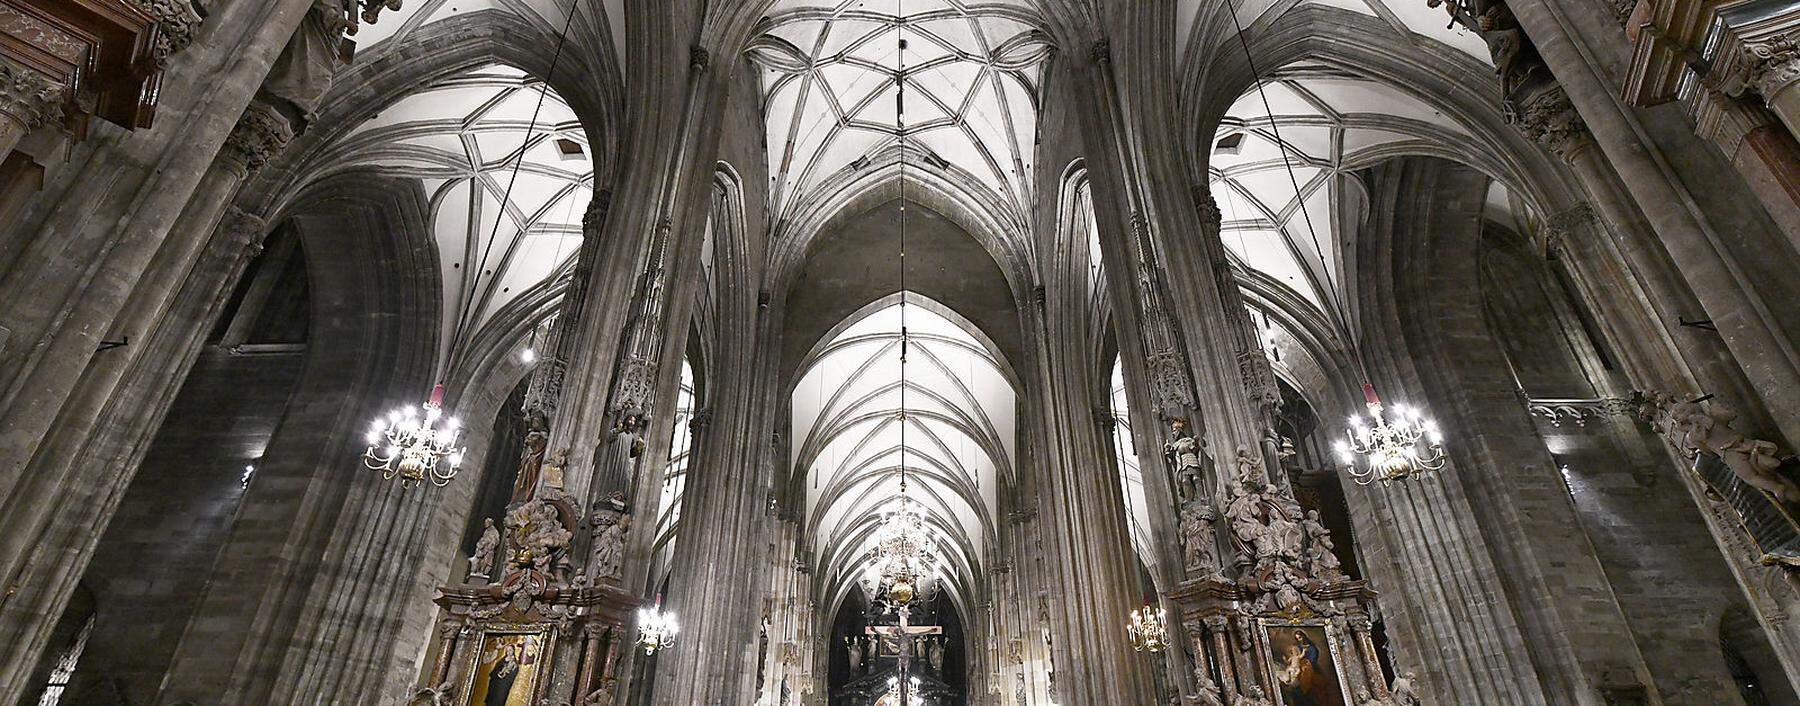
(154, 559)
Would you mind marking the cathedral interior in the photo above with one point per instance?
(899, 352)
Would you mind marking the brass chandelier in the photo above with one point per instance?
(416, 447)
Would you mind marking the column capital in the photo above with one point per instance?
(30, 97)
(260, 135)
(1567, 225)
(1549, 119)
(1775, 64)
(1727, 120)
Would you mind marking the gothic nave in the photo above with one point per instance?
(899, 352)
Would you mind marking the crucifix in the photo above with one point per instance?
(902, 637)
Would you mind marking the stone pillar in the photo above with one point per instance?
(104, 426)
(28, 100)
(90, 239)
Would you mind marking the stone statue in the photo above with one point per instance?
(1695, 427)
(440, 695)
(602, 695)
(1404, 690)
(536, 535)
(1248, 533)
(304, 70)
(1183, 454)
(481, 563)
(856, 656)
(1252, 696)
(1206, 691)
(1287, 538)
(531, 455)
(610, 528)
(1197, 542)
(934, 653)
(1320, 551)
(1019, 691)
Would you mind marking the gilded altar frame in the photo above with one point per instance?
(486, 635)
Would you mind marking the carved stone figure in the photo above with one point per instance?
(536, 535)
(1320, 551)
(481, 563)
(1287, 540)
(1206, 691)
(610, 529)
(856, 656)
(934, 653)
(1183, 454)
(602, 695)
(1019, 691)
(1248, 533)
(304, 71)
(1252, 696)
(1694, 427)
(1404, 690)
(1200, 557)
(440, 695)
(531, 455)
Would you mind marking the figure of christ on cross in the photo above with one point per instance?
(901, 638)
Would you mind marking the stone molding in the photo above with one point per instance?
(260, 135)
(29, 97)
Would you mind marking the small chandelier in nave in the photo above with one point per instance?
(1148, 630)
(415, 447)
(901, 566)
(656, 629)
(1389, 449)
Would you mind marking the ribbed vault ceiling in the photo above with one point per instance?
(1412, 21)
(414, 14)
(462, 139)
(831, 77)
(847, 438)
(1331, 125)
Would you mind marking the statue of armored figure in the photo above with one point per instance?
(1183, 454)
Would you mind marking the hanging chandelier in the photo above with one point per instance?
(415, 447)
(910, 698)
(1148, 630)
(901, 568)
(656, 629)
(1390, 447)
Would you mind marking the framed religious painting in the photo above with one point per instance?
(1305, 662)
(509, 666)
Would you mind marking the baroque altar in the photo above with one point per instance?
(527, 628)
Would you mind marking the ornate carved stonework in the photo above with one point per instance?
(1775, 64)
(1549, 119)
(1579, 411)
(1567, 225)
(29, 97)
(260, 135)
(179, 23)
